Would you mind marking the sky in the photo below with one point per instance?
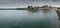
(25, 3)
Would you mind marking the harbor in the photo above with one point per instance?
(29, 13)
(45, 8)
(31, 18)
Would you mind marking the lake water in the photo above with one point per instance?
(28, 19)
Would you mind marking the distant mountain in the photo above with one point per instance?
(13, 8)
(8, 8)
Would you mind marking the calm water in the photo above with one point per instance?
(28, 19)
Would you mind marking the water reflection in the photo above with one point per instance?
(51, 16)
(27, 19)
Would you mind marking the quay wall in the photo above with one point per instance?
(58, 13)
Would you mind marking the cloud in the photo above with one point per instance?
(23, 3)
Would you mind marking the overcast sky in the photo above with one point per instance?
(24, 3)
